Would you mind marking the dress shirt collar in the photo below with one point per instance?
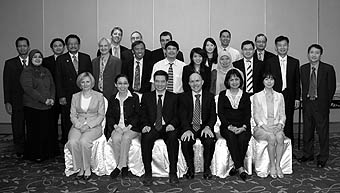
(21, 60)
(195, 93)
(71, 55)
(283, 58)
(140, 61)
(128, 95)
(246, 60)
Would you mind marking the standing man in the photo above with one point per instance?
(261, 43)
(225, 37)
(127, 55)
(105, 69)
(138, 68)
(318, 88)
(251, 67)
(198, 117)
(160, 53)
(13, 93)
(171, 65)
(69, 66)
(286, 70)
(116, 37)
(159, 120)
(57, 46)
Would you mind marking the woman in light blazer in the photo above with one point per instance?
(269, 116)
(87, 114)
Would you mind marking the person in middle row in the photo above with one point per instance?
(198, 60)
(218, 75)
(198, 117)
(122, 123)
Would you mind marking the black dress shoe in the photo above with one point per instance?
(19, 155)
(305, 159)
(87, 177)
(147, 180)
(125, 172)
(207, 176)
(189, 175)
(243, 176)
(321, 164)
(233, 172)
(114, 174)
(173, 179)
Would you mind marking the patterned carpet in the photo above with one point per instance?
(25, 176)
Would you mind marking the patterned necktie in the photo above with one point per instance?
(75, 63)
(249, 88)
(312, 84)
(24, 63)
(101, 75)
(158, 124)
(137, 85)
(171, 78)
(260, 56)
(197, 113)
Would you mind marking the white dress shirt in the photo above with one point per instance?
(235, 54)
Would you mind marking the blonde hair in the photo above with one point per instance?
(82, 76)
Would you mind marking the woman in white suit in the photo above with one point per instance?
(87, 113)
(269, 116)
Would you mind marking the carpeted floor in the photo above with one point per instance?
(25, 176)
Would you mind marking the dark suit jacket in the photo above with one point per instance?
(158, 55)
(149, 109)
(186, 107)
(326, 84)
(258, 70)
(50, 64)
(128, 55)
(146, 72)
(112, 69)
(66, 75)
(292, 77)
(131, 110)
(267, 55)
(13, 92)
(122, 49)
(188, 70)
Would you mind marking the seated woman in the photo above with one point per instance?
(269, 116)
(87, 114)
(218, 75)
(122, 123)
(197, 63)
(234, 111)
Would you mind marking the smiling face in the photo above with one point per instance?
(160, 83)
(225, 39)
(234, 82)
(209, 47)
(314, 55)
(164, 40)
(135, 36)
(58, 48)
(225, 61)
(73, 45)
(281, 48)
(268, 82)
(23, 47)
(171, 52)
(196, 82)
(116, 36)
(248, 51)
(85, 83)
(261, 43)
(37, 59)
(104, 47)
(122, 84)
(139, 51)
(197, 58)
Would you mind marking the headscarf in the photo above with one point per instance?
(31, 54)
(37, 71)
(221, 71)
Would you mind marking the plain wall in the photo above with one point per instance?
(190, 21)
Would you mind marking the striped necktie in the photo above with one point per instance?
(171, 78)
(249, 72)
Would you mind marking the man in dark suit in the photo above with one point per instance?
(69, 66)
(139, 68)
(160, 53)
(261, 43)
(197, 121)
(128, 54)
(318, 88)
(116, 37)
(105, 69)
(159, 120)
(251, 67)
(57, 46)
(13, 93)
(286, 71)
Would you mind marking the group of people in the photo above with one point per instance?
(177, 100)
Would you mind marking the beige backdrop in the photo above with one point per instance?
(190, 21)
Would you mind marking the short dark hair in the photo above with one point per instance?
(165, 33)
(215, 54)
(268, 74)
(317, 46)
(225, 30)
(172, 43)
(259, 35)
(233, 72)
(56, 40)
(201, 52)
(117, 28)
(281, 38)
(246, 43)
(137, 43)
(72, 36)
(120, 76)
(161, 73)
(21, 39)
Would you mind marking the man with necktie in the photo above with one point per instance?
(13, 93)
(116, 48)
(159, 121)
(261, 43)
(197, 112)
(225, 38)
(318, 88)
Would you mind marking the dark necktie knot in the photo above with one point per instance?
(160, 96)
(197, 96)
(248, 61)
(313, 68)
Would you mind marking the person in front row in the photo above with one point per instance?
(270, 118)
(198, 116)
(159, 120)
(234, 111)
(87, 114)
(122, 123)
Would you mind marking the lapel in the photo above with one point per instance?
(91, 102)
(154, 102)
(191, 103)
(319, 74)
(19, 64)
(263, 102)
(307, 75)
(276, 102)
